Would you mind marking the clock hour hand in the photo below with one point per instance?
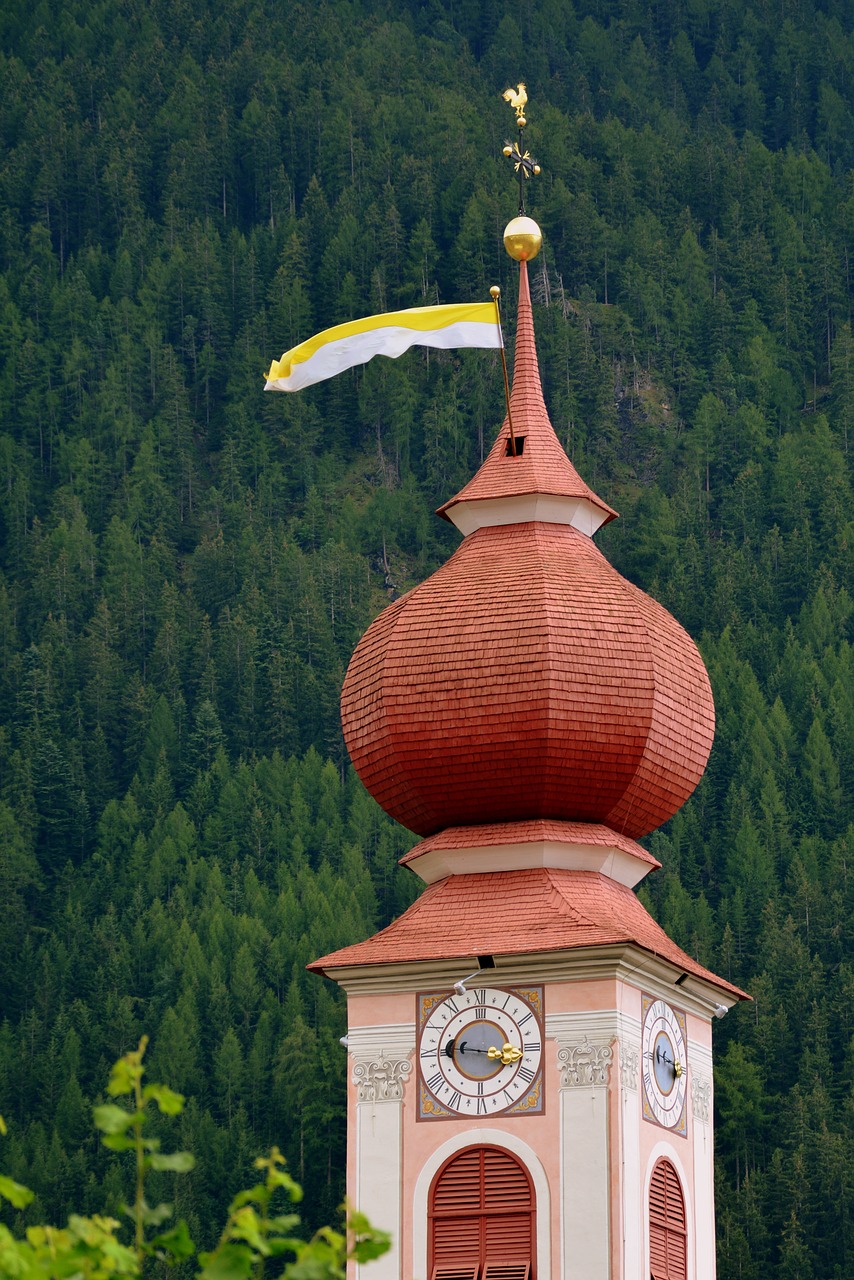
(506, 1055)
(661, 1056)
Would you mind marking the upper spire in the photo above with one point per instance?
(527, 475)
(540, 482)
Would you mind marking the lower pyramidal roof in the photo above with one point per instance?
(517, 912)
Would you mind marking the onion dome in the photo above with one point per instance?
(526, 679)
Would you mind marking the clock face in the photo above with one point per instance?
(480, 1053)
(664, 1065)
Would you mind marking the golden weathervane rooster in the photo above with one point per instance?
(517, 98)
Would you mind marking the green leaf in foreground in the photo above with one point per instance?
(112, 1119)
(168, 1101)
(176, 1242)
(17, 1195)
(90, 1248)
(178, 1161)
(229, 1262)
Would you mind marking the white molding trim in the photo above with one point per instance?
(598, 1024)
(386, 1040)
(479, 1138)
(625, 868)
(479, 513)
(701, 1056)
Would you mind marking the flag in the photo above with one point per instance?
(473, 324)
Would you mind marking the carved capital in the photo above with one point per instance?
(701, 1097)
(629, 1064)
(381, 1079)
(584, 1063)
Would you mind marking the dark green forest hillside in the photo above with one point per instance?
(186, 190)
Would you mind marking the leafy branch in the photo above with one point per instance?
(254, 1233)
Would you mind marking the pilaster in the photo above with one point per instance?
(700, 1101)
(381, 1065)
(584, 1057)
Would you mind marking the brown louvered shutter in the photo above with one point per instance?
(667, 1228)
(482, 1218)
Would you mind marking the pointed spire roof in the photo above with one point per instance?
(540, 483)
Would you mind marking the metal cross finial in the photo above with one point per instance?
(523, 162)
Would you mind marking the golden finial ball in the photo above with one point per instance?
(523, 239)
(495, 292)
(521, 121)
(536, 170)
(507, 151)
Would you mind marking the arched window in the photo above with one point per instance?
(482, 1218)
(668, 1253)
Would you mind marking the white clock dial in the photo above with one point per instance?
(664, 1064)
(480, 1053)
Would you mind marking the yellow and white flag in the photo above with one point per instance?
(473, 324)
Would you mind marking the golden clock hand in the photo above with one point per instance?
(506, 1055)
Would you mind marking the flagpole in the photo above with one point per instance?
(495, 294)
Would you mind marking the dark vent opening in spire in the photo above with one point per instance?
(520, 448)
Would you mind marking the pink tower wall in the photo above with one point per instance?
(617, 1157)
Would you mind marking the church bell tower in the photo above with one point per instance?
(529, 1054)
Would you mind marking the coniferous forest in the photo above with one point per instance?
(186, 563)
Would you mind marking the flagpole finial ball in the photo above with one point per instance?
(495, 292)
(521, 121)
(523, 239)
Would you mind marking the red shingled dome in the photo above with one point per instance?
(527, 679)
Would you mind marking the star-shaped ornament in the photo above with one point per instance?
(524, 163)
